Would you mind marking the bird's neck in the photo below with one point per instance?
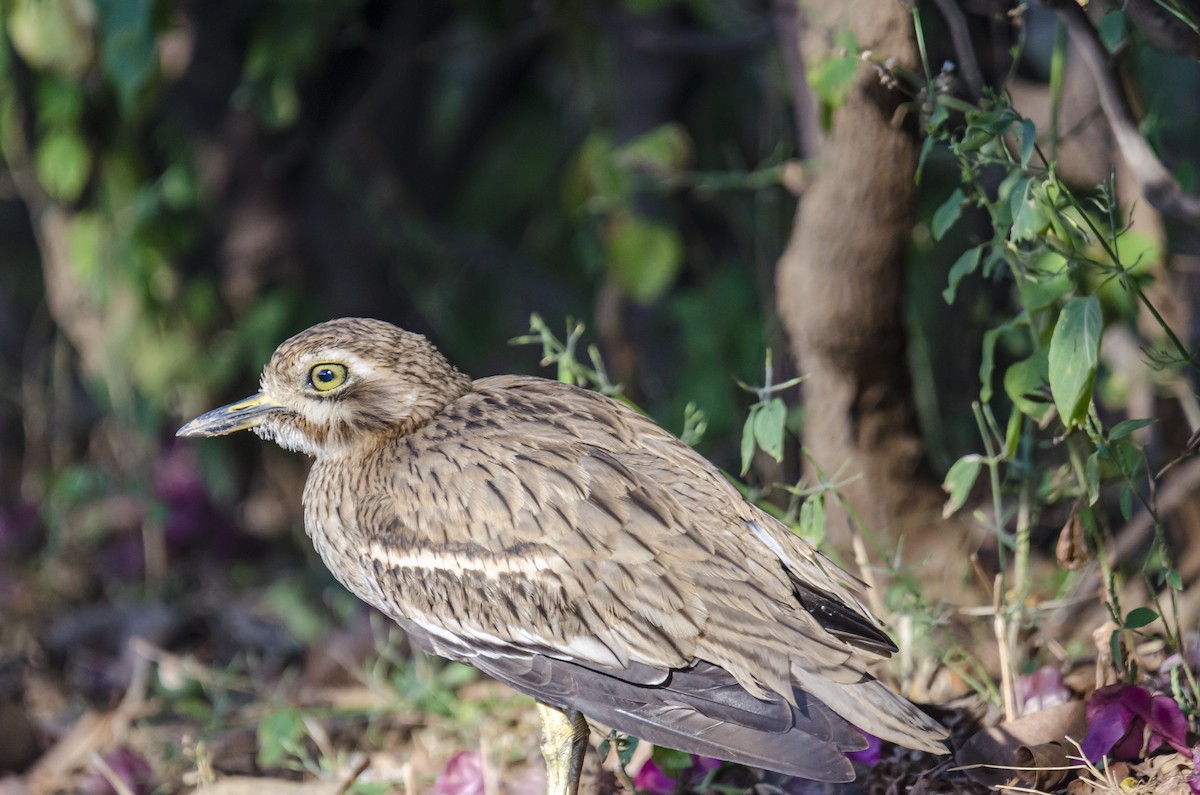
(422, 405)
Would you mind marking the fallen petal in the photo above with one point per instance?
(653, 781)
(463, 775)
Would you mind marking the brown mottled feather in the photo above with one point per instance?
(571, 547)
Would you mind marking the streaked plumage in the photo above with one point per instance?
(572, 548)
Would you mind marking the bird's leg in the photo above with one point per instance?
(564, 741)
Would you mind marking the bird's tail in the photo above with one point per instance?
(872, 707)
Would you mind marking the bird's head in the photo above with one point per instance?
(339, 385)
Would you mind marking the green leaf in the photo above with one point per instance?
(1023, 382)
(1139, 617)
(279, 735)
(812, 519)
(1116, 650)
(1091, 474)
(179, 187)
(1126, 502)
(1074, 354)
(966, 264)
(671, 762)
(937, 117)
(626, 746)
(768, 427)
(129, 53)
(1008, 198)
(974, 139)
(947, 214)
(597, 182)
(1126, 427)
(1138, 251)
(959, 482)
(1012, 433)
(926, 147)
(1028, 141)
(748, 438)
(987, 362)
(832, 78)
(1112, 27)
(993, 260)
(643, 256)
(664, 149)
(1128, 455)
(1029, 219)
(1048, 281)
(1174, 580)
(63, 163)
(51, 34)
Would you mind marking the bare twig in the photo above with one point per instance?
(789, 25)
(358, 765)
(1008, 679)
(1156, 183)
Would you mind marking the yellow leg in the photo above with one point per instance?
(564, 741)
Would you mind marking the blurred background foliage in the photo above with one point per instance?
(185, 184)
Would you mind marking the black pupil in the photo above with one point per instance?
(325, 375)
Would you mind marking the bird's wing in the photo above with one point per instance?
(561, 522)
(533, 519)
(701, 710)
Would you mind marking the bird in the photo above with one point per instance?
(568, 546)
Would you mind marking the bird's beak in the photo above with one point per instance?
(239, 416)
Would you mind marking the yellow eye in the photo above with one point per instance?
(327, 376)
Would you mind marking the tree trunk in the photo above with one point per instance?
(841, 288)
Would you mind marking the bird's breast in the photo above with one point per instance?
(416, 551)
(331, 506)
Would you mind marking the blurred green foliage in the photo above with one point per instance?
(98, 122)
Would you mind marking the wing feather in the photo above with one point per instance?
(700, 710)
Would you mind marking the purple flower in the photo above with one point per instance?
(653, 781)
(871, 754)
(1127, 722)
(127, 765)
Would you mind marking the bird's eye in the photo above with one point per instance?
(327, 376)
